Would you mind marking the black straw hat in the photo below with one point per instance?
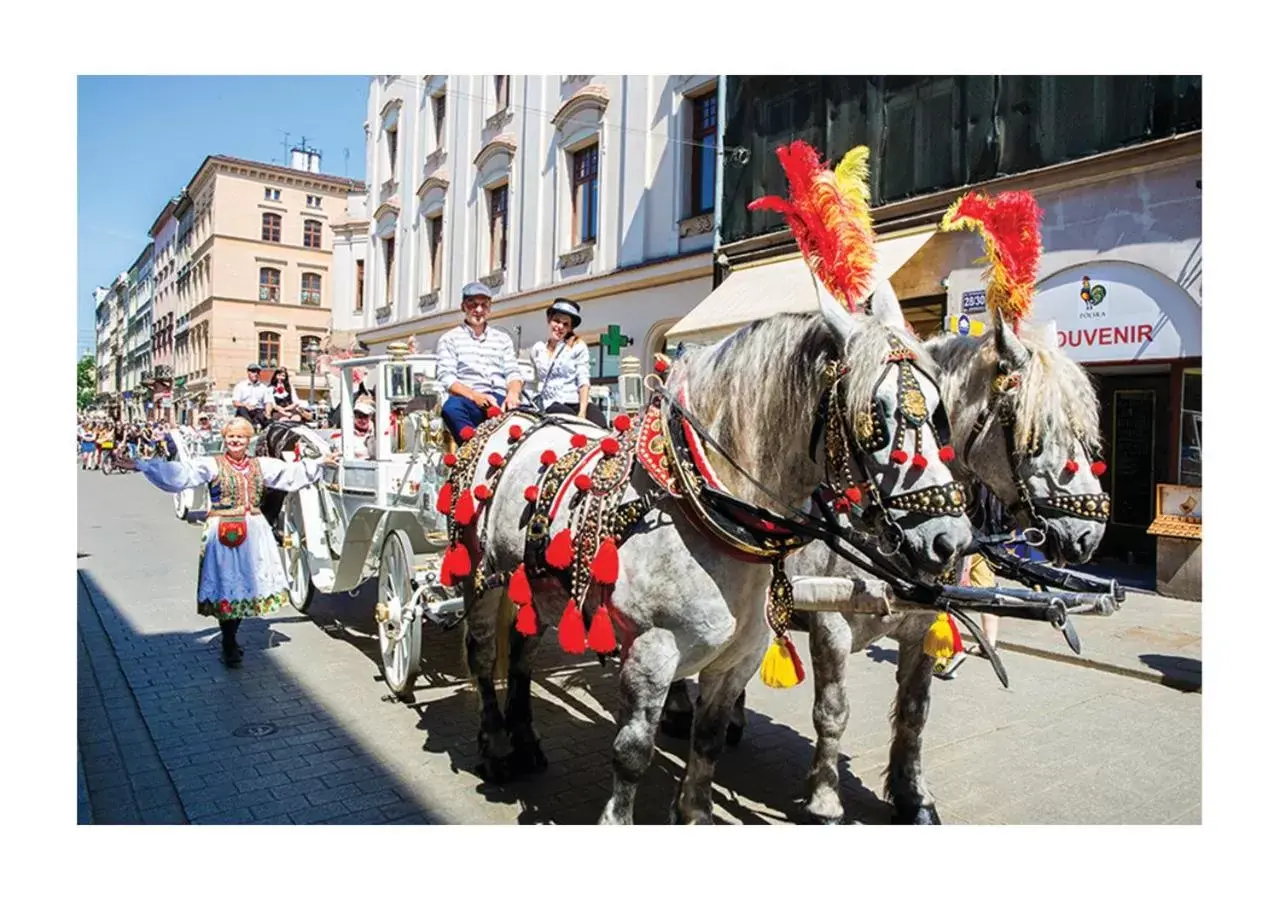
(567, 308)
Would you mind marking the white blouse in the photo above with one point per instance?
(276, 473)
(561, 372)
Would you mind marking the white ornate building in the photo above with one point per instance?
(596, 188)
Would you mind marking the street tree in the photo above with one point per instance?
(86, 382)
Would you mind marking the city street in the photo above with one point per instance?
(304, 732)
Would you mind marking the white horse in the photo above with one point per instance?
(681, 602)
(1025, 416)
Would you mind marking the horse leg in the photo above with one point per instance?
(737, 721)
(644, 679)
(830, 642)
(719, 693)
(526, 743)
(482, 660)
(905, 787)
(677, 712)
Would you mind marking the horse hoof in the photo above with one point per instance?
(677, 817)
(733, 737)
(916, 815)
(528, 759)
(677, 725)
(495, 771)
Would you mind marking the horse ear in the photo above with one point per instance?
(838, 317)
(885, 307)
(1009, 348)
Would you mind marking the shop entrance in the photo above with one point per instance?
(1134, 416)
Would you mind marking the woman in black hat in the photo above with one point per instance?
(563, 365)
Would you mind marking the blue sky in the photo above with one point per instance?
(140, 139)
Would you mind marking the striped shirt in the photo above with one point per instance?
(561, 372)
(486, 363)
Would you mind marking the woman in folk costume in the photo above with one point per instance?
(240, 572)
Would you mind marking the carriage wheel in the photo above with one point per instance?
(108, 463)
(399, 621)
(294, 555)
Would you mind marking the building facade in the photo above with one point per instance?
(252, 279)
(1114, 162)
(164, 233)
(600, 189)
(350, 260)
(135, 389)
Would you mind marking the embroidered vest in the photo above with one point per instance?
(234, 492)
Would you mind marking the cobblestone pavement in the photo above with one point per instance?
(304, 733)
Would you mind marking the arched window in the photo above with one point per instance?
(269, 348)
(311, 234)
(271, 227)
(269, 285)
(310, 288)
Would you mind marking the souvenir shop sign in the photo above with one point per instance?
(1118, 312)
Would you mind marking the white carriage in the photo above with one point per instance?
(373, 515)
(192, 504)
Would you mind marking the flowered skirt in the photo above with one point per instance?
(244, 581)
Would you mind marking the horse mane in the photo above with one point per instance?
(1056, 403)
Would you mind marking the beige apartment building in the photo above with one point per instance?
(254, 251)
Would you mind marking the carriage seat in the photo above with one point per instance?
(822, 593)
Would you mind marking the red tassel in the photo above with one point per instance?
(582, 482)
(919, 462)
(578, 440)
(446, 577)
(458, 561)
(450, 460)
(899, 456)
(601, 639)
(957, 643)
(1098, 468)
(604, 568)
(795, 660)
(853, 494)
(573, 634)
(560, 550)
(466, 509)
(610, 447)
(495, 459)
(842, 504)
(947, 453)
(622, 423)
(660, 366)
(531, 493)
(445, 501)
(493, 412)
(1072, 466)
(518, 588)
(514, 432)
(483, 492)
(527, 620)
(548, 457)
(467, 433)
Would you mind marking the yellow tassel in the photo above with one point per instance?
(938, 642)
(779, 669)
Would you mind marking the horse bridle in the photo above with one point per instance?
(1000, 408)
(846, 447)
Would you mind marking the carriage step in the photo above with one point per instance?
(820, 593)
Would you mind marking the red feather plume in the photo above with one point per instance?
(1010, 227)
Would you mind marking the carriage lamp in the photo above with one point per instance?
(630, 384)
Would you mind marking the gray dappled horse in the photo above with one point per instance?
(682, 603)
(1024, 418)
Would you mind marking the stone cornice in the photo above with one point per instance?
(392, 205)
(430, 184)
(596, 95)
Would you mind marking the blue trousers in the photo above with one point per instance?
(460, 412)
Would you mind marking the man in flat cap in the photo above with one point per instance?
(477, 364)
(250, 397)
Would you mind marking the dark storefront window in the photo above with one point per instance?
(932, 133)
(1189, 459)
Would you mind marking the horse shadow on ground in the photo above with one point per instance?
(1180, 672)
(758, 782)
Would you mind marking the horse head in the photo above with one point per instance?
(1026, 418)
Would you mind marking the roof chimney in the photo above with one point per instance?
(305, 159)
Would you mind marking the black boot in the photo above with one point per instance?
(231, 652)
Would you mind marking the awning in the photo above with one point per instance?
(765, 290)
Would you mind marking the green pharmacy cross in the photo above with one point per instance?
(614, 340)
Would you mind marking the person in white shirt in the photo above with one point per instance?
(475, 362)
(250, 397)
(563, 366)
